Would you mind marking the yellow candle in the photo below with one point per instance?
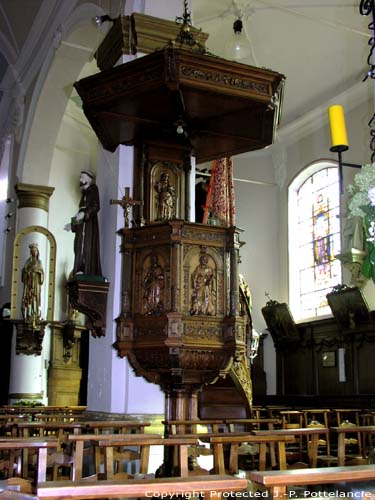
(337, 124)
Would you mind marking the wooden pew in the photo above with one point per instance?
(191, 426)
(79, 441)
(60, 430)
(252, 423)
(311, 433)
(180, 443)
(140, 488)
(120, 426)
(277, 482)
(235, 441)
(342, 433)
(113, 427)
(32, 413)
(13, 444)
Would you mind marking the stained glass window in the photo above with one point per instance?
(314, 229)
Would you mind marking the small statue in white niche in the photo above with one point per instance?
(32, 279)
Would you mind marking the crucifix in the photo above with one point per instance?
(126, 203)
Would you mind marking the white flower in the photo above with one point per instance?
(363, 188)
(371, 231)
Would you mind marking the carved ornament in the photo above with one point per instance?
(90, 298)
(240, 373)
(225, 80)
(29, 337)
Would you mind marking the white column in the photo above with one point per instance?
(28, 373)
(112, 385)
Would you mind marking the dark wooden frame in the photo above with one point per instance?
(349, 308)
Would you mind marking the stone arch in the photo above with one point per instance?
(72, 46)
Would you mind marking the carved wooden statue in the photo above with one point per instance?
(203, 281)
(32, 279)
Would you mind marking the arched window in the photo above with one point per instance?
(314, 239)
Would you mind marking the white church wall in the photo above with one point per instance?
(75, 150)
(257, 215)
(262, 209)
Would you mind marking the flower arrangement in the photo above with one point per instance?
(362, 204)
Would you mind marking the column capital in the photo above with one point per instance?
(33, 196)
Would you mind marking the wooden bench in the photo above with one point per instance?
(311, 433)
(191, 426)
(277, 482)
(342, 441)
(13, 444)
(252, 423)
(122, 426)
(140, 488)
(180, 443)
(79, 441)
(113, 427)
(236, 440)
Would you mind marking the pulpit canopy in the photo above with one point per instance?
(214, 107)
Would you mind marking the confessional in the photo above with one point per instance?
(181, 324)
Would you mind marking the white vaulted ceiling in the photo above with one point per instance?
(321, 46)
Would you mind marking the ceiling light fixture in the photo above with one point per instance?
(238, 46)
(180, 128)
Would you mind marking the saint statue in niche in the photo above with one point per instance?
(153, 287)
(203, 278)
(166, 199)
(32, 279)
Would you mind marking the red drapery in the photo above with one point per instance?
(220, 196)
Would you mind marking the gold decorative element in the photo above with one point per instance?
(126, 203)
(33, 196)
(16, 269)
(240, 374)
(139, 33)
(25, 395)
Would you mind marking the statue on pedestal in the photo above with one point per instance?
(32, 279)
(86, 228)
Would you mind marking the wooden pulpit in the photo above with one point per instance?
(181, 324)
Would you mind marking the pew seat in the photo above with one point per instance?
(140, 488)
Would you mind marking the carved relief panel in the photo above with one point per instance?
(203, 281)
(153, 277)
(182, 281)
